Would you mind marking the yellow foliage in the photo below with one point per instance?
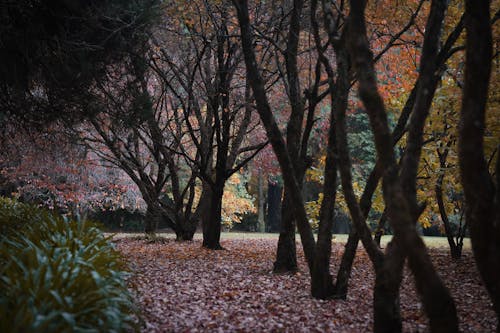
(236, 201)
(312, 209)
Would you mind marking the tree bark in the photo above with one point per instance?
(185, 235)
(186, 230)
(321, 280)
(379, 232)
(481, 194)
(345, 267)
(152, 220)
(386, 306)
(274, 201)
(455, 249)
(441, 311)
(261, 227)
(286, 254)
(212, 225)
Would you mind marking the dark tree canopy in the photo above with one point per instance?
(52, 51)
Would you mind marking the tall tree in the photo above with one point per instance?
(303, 103)
(437, 301)
(481, 193)
(438, 63)
(273, 132)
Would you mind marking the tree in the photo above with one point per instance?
(440, 184)
(137, 131)
(300, 123)
(52, 52)
(203, 76)
(339, 88)
(481, 192)
(279, 147)
(401, 211)
(273, 132)
(445, 53)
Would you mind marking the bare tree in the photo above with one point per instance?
(203, 76)
(135, 131)
(273, 132)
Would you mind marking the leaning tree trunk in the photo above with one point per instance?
(321, 280)
(455, 248)
(436, 299)
(385, 310)
(345, 267)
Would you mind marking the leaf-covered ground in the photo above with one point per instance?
(182, 287)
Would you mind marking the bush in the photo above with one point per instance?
(58, 275)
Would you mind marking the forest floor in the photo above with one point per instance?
(181, 287)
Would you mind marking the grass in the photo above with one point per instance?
(431, 242)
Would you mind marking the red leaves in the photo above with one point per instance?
(183, 287)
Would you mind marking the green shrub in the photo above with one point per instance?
(15, 216)
(58, 275)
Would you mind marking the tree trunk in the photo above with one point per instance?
(390, 314)
(185, 230)
(455, 250)
(152, 220)
(261, 222)
(212, 226)
(286, 256)
(345, 268)
(387, 316)
(274, 190)
(481, 194)
(321, 280)
(379, 232)
(184, 235)
(436, 299)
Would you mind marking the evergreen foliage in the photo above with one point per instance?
(53, 51)
(59, 275)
